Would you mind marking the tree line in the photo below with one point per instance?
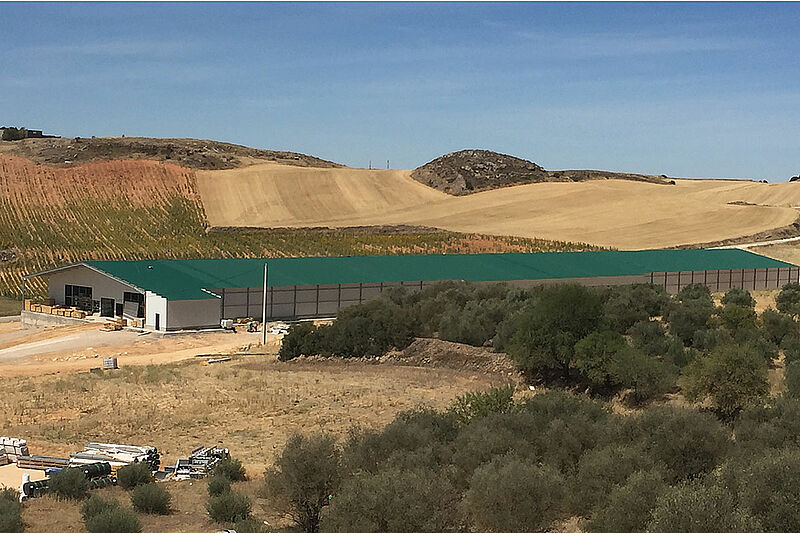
(632, 340)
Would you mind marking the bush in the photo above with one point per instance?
(646, 376)
(628, 304)
(114, 520)
(686, 318)
(776, 425)
(304, 475)
(602, 469)
(249, 525)
(595, 355)
(700, 508)
(788, 300)
(69, 484)
(231, 469)
(300, 340)
(474, 405)
(7, 493)
(687, 442)
(151, 498)
(229, 507)
(740, 297)
(733, 376)
(96, 505)
(395, 501)
(792, 379)
(132, 475)
(14, 134)
(512, 495)
(770, 490)
(778, 326)
(10, 514)
(649, 337)
(218, 485)
(547, 330)
(629, 506)
(737, 318)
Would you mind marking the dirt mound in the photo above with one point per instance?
(469, 171)
(437, 353)
(192, 153)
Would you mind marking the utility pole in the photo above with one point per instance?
(387, 164)
(264, 307)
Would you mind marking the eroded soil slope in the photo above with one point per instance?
(616, 213)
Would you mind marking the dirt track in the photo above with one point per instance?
(616, 213)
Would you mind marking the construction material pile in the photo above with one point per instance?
(98, 474)
(49, 308)
(12, 449)
(200, 462)
(117, 455)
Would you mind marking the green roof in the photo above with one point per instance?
(185, 279)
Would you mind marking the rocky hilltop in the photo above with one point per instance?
(192, 153)
(469, 171)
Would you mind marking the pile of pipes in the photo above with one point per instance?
(98, 474)
(200, 463)
(117, 455)
(12, 449)
(41, 462)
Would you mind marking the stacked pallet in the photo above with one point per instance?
(13, 448)
(200, 462)
(50, 308)
(114, 324)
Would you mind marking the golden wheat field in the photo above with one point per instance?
(615, 213)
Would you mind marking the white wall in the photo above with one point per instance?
(153, 303)
(102, 285)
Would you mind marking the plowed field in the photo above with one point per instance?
(615, 213)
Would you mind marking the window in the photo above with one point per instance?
(78, 296)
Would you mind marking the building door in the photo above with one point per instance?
(158, 321)
(107, 307)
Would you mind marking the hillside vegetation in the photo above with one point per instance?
(192, 153)
(470, 171)
(145, 209)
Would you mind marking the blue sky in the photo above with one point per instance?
(690, 90)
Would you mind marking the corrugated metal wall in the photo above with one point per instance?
(316, 301)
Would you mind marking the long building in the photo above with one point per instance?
(198, 293)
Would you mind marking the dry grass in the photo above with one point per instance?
(614, 213)
(250, 405)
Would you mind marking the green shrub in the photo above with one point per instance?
(737, 318)
(300, 340)
(629, 506)
(688, 317)
(687, 442)
(788, 300)
(512, 495)
(114, 520)
(733, 376)
(474, 405)
(69, 484)
(740, 297)
(774, 425)
(777, 326)
(11, 515)
(770, 490)
(547, 330)
(7, 493)
(650, 337)
(628, 304)
(249, 525)
(304, 475)
(792, 379)
(218, 485)
(700, 508)
(151, 498)
(231, 469)
(229, 507)
(394, 501)
(646, 376)
(595, 355)
(791, 348)
(602, 469)
(95, 505)
(132, 475)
